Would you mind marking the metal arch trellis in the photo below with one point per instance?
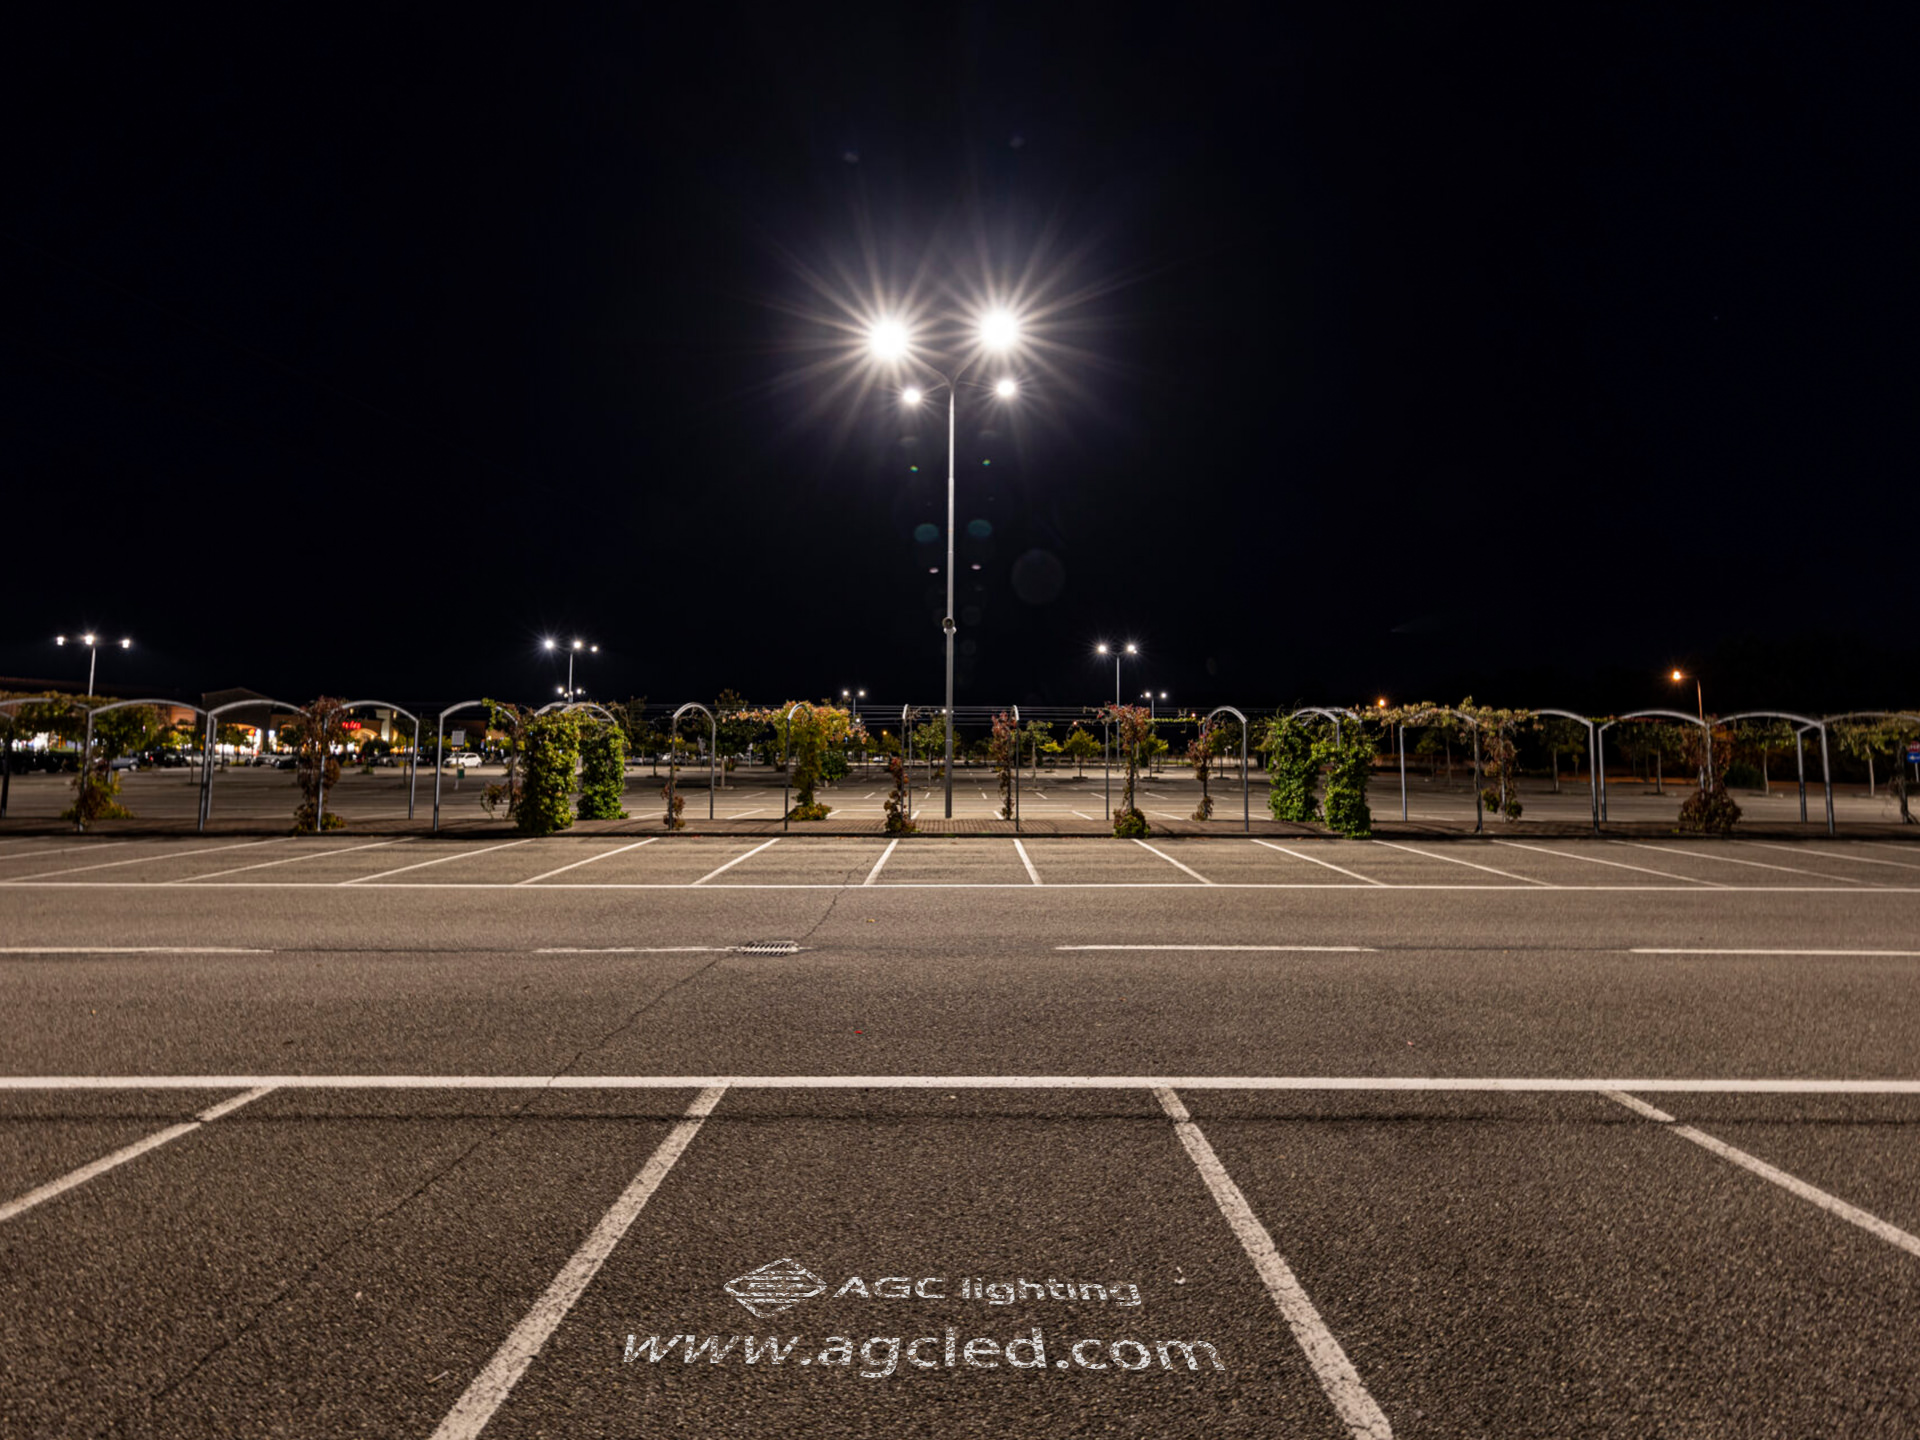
(1906, 816)
(1600, 737)
(266, 702)
(1246, 803)
(713, 747)
(6, 752)
(1479, 804)
(86, 752)
(413, 764)
(439, 745)
(1593, 773)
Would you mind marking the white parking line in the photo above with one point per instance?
(745, 813)
(1173, 862)
(1455, 860)
(1314, 949)
(1336, 1374)
(462, 854)
(1328, 863)
(1828, 854)
(96, 846)
(1755, 864)
(1693, 888)
(120, 1157)
(490, 1388)
(885, 855)
(131, 950)
(1382, 1084)
(1833, 1204)
(1616, 864)
(143, 859)
(620, 850)
(291, 860)
(1891, 953)
(1021, 851)
(736, 860)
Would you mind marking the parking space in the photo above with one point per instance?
(1533, 1265)
(1101, 862)
(840, 1259)
(818, 862)
(954, 862)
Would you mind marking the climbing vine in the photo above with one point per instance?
(603, 770)
(1131, 727)
(1003, 747)
(1200, 753)
(1290, 769)
(317, 730)
(549, 748)
(899, 799)
(1346, 752)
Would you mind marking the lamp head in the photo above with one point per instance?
(887, 340)
(1005, 389)
(1133, 649)
(912, 395)
(999, 330)
(88, 639)
(547, 643)
(1677, 676)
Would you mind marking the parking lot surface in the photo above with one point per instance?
(637, 1135)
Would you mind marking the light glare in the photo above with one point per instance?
(888, 340)
(999, 330)
(1004, 389)
(911, 395)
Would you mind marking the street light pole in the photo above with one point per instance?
(946, 623)
(92, 642)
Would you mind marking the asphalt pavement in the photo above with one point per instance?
(636, 1135)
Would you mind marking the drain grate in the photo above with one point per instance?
(767, 947)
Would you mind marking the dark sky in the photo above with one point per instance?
(1395, 350)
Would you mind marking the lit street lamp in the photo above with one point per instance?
(92, 642)
(1153, 712)
(576, 648)
(1700, 707)
(1116, 651)
(888, 340)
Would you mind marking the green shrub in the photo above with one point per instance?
(603, 770)
(550, 749)
(1130, 824)
(1347, 753)
(1290, 767)
(1709, 812)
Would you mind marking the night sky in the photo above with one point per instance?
(1399, 351)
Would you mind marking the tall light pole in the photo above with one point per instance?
(92, 642)
(578, 647)
(1116, 651)
(889, 340)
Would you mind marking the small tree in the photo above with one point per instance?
(1496, 731)
(603, 770)
(1003, 752)
(1291, 768)
(317, 730)
(1036, 735)
(930, 742)
(899, 800)
(1200, 752)
(735, 728)
(805, 732)
(1563, 736)
(512, 721)
(1081, 747)
(1131, 728)
(97, 788)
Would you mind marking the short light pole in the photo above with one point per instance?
(890, 341)
(92, 642)
(1153, 712)
(852, 699)
(1116, 651)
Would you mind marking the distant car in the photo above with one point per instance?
(462, 761)
(124, 762)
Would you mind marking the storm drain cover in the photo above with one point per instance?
(767, 947)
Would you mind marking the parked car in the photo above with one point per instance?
(462, 760)
(124, 762)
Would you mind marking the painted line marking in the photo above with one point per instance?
(1453, 860)
(1730, 860)
(69, 849)
(120, 1157)
(633, 949)
(490, 1388)
(143, 859)
(1616, 864)
(1828, 854)
(621, 850)
(1690, 888)
(1173, 862)
(736, 860)
(745, 813)
(1337, 1376)
(878, 865)
(1081, 813)
(290, 860)
(1310, 949)
(1888, 953)
(1493, 1084)
(1831, 1203)
(131, 950)
(423, 864)
(1331, 866)
(1026, 860)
